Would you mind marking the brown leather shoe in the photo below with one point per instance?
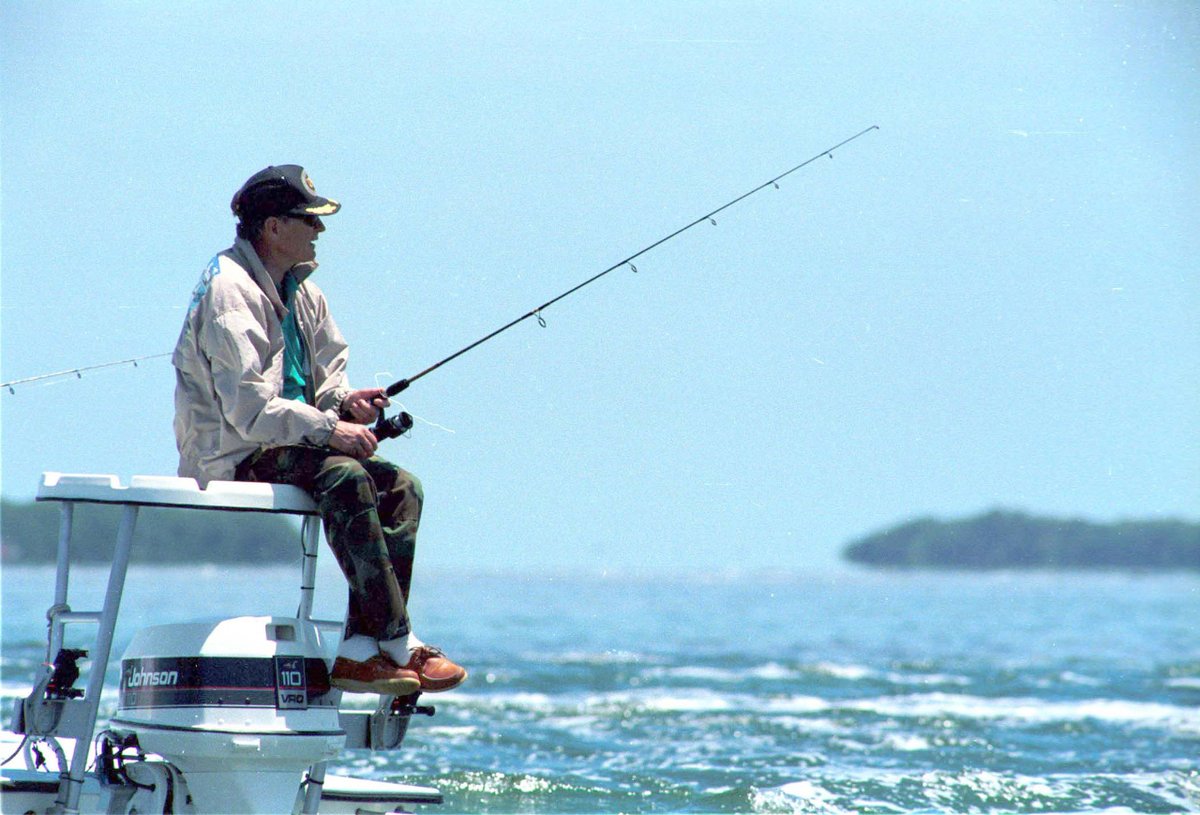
(379, 674)
(435, 671)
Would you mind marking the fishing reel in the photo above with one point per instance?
(394, 427)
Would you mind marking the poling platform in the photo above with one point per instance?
(236, 715)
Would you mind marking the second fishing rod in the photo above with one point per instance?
(400, 423)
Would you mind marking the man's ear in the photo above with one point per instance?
(271, 226)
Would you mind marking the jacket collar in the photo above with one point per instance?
(244, 254)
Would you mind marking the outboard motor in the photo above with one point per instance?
(242, 706)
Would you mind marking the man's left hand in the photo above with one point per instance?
(363, 406)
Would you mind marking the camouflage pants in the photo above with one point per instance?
(371, 510)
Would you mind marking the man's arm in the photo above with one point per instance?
(237, 347)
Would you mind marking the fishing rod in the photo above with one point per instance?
(10, 386)
(401, 385)
(398, 424)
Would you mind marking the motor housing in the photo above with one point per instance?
(242, 706)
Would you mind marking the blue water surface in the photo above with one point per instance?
(844, 691)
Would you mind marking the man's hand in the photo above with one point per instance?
(363, 406)
(354, 440)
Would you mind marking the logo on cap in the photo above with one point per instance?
(308, 182)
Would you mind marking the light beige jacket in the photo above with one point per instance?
(229, 367)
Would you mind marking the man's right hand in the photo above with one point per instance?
(354, 440)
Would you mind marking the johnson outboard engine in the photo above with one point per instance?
(241, 706)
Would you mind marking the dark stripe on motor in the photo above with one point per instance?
(126, 723)
(217, 681)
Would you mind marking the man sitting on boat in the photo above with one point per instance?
(261, 395)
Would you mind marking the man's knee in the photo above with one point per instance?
(395, 479)
(415, 486)
(345, 480)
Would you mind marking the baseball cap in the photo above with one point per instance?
(284, 189)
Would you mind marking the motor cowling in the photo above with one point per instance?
(242, 706)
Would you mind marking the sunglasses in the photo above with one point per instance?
(311, 220)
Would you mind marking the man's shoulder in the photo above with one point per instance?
(225, 283)
(231, 260)
(240, 262)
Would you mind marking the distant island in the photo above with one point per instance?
(1000, 539)
(29, 534)
(1013, 540)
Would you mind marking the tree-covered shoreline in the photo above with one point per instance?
(1005, 539)
(29, 534)
(999, 539)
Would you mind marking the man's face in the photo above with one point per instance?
(294, 237)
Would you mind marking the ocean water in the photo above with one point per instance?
(838, 692)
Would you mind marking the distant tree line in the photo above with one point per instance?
(29, 534)
(1013, 540)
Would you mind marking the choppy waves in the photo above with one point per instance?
(877, 718)
(706, 738)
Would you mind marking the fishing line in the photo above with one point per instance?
(402, 407)
(397, 387)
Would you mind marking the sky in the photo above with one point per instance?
(990, 301)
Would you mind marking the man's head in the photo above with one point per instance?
(278, 210)
(279, 190)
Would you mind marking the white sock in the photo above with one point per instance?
(401, 648)
(358, 648)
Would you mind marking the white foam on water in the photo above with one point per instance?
(792, 704)
(906, 743)
(530, 701)
(797, 796)
(812, 726)
(979, 791)
(859, 673)
(769, 671)
(1072, 678)
(852, 672)
(534, 702)
(1184, 796)
(686, 704)
(611, 657)
(925, 679)
(1000, 788)
(581, 726)
(773, 670)
(450, 731)
(568, 707)
(1143, 714)
(14, 690)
